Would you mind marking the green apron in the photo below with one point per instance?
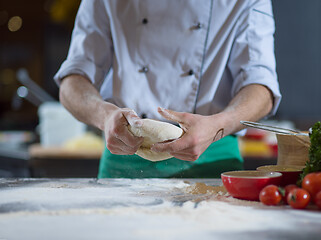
(219, 157)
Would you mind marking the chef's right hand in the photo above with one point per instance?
(119, 140)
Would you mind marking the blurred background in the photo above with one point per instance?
(34, 36)
(34, 40)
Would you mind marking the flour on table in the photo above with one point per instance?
(169, 209)
(202, 188)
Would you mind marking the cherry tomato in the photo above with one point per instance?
(317, 199)
(287, 190)
(298, 198)
(312, 183)
(270, 195)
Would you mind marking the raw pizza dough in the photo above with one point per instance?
(154, 132)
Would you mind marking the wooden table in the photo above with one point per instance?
(141, 209)
(58, 162)
(53, 162)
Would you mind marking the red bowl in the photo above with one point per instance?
(248, 184)
(290, 173)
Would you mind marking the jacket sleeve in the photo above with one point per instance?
(91, 51)
(252, 59)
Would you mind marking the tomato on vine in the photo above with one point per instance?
(312, 183)
(298, 198)
(287, 190)
(317, 199)
(270, 195)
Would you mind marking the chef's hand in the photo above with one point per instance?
(119, 140)
(200, 132)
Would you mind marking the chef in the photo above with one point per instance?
(204, 65)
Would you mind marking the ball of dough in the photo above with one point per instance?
(154, 132)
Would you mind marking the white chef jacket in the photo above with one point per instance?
(188, 56)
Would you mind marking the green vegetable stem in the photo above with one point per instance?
(314, 165)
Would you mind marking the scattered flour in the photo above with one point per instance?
(167, 209)
(202, 188)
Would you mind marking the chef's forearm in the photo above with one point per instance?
(79, 97)
(251, 103)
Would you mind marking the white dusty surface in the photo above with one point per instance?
(142, 209)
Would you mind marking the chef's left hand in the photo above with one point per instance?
(199, 132)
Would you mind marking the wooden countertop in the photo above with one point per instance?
(38, 151)
(142, 209)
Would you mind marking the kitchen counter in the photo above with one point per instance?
(37, 162)
(14, 161)
(142, 209)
